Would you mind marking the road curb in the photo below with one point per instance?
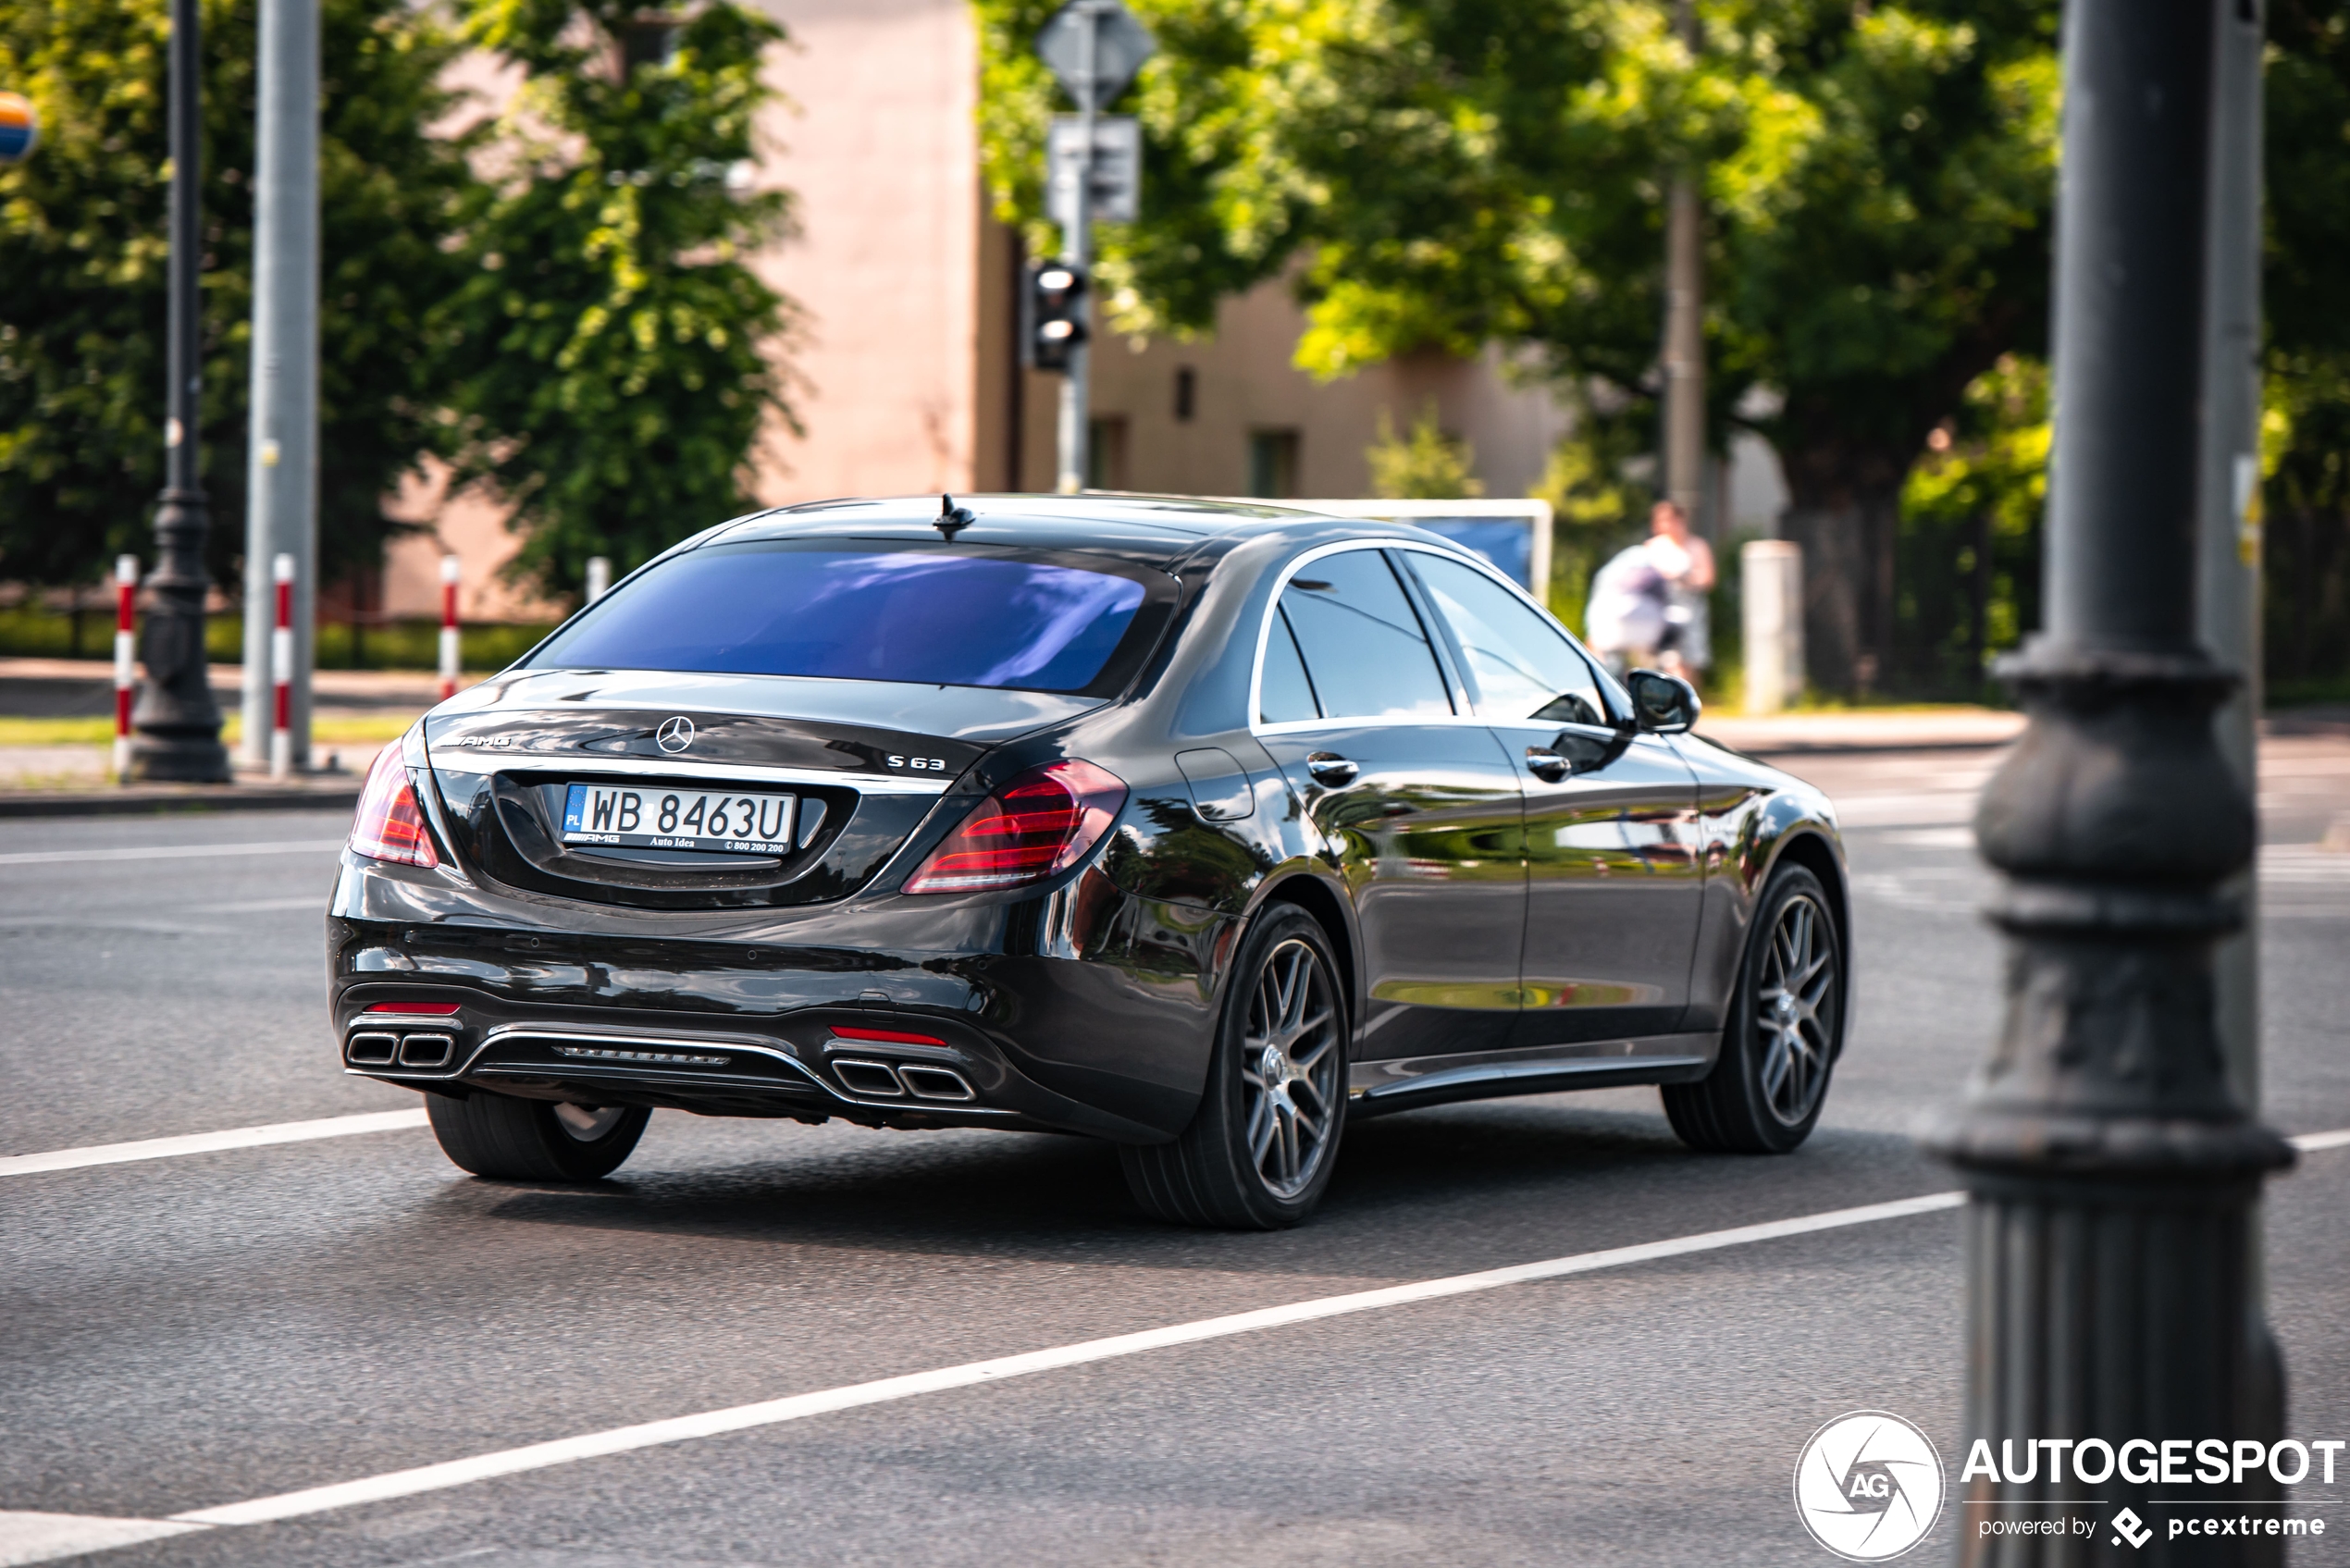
(191, 800)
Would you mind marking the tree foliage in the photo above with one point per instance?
(1971, 514)
(608, 355)
(1423, 463)
(1450, 173)
(2307, 350)
(83, 251)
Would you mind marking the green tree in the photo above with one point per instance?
(1426, 465)
(1450, 173)
(1597, 506)
(2307, 350)
(608, 360)
(1970, 540)
(83, 251)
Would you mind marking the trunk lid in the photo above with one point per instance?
(853, 767)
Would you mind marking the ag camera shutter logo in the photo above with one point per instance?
(1868, 1486)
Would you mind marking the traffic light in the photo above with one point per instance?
(1053, 308)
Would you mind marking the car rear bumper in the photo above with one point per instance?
(1085, 1009)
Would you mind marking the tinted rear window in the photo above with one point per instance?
(858, 612)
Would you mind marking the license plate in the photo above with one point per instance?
(651, 817)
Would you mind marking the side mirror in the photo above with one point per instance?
(1663, 704)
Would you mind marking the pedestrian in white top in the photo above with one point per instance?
(1647, 605)
(1685, 562)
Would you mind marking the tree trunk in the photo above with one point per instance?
(1844, 507)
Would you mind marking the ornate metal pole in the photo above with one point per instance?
(2113, 1171)
(177, 723)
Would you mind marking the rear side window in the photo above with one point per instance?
(1364, 648)
(859, 613)
(1287, 694)
(1520, 666)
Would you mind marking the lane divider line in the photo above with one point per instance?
(44, 1538)
(208, 1142)
(168, 852)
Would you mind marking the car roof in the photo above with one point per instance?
(1143, 529)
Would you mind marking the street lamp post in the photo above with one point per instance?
(176, 723)
(2113, 1171)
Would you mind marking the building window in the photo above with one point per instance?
(1272, 463)
(1105, 454)
(1186, 394)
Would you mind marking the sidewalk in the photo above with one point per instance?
(46, 689)
(1894, 729)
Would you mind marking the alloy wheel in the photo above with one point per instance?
(1289, 1068)
(1795, 1011)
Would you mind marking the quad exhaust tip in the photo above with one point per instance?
(927, 1082)
(883, 1081)
(373, 1048)
(426, 1050)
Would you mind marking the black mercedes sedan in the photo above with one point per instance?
(1199, 827)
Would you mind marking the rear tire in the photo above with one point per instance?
(1785, 1031)
(508, 1139)
(1258, 1152)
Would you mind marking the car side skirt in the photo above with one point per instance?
(1376, 1088)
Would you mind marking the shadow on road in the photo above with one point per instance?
(1437, 1190)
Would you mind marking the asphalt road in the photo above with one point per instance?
(195, 1332)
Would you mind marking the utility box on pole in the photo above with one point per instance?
(1771, 615)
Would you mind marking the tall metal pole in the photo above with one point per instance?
(1685, 329)
(282, 467)
(2228, 608)
(178, 725)
(2113, 1171)
(1077, 247)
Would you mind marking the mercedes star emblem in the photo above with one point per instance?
(675, 735)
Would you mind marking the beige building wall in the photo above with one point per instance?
(1243, 386)
(881, 146)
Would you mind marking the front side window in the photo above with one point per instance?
(853, 611)
(1364, 648)
(1520, 666)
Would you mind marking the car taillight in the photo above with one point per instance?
(1036, 826)
(390, 826)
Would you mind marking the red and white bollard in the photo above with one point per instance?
(281, 661)
(126, 597)
(449, 570)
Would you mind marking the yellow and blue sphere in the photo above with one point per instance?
(19, 128)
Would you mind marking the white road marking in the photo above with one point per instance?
(169, 852)
(42, 1538)
(263, 906)
(736, 1418)
(208, 1142)
(769, 1413)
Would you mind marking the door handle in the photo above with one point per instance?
(1328, 768)
(1548, 766)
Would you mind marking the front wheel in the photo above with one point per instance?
(1786, 1029)
(1259, 1151)
(516, 1140)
